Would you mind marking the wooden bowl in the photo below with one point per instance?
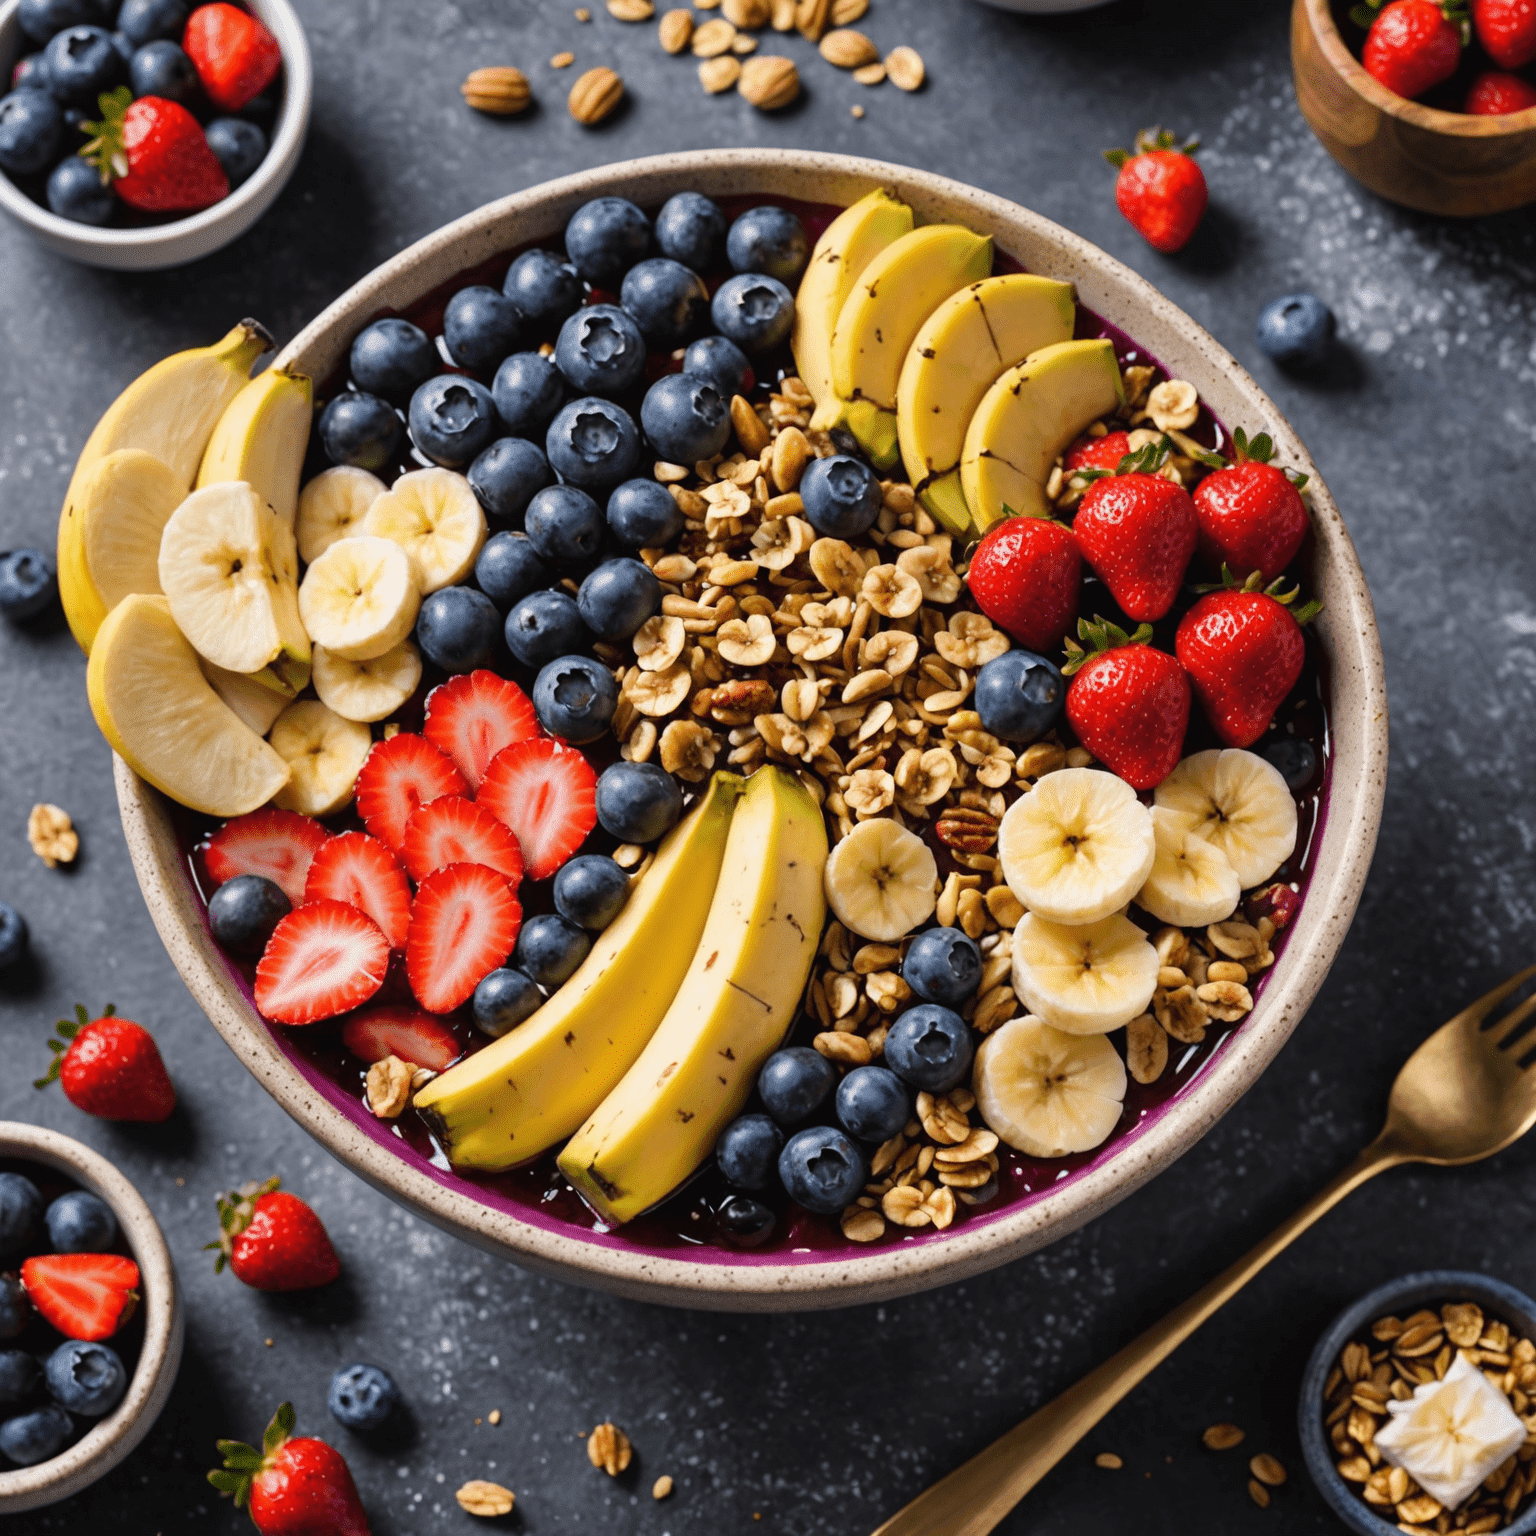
(843, 1273)
(1438, 162)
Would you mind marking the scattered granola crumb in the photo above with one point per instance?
(1108, 1460)
(52, 835)
(562, 61)
(268, 1343)
(662, 1487)
(1222, 1437)
(608, 1447)
(1258, 1493)
(181, 1183)
(494, 1416)
(856, 111)
(488, 1500)
(583, 14)
(1267, 1469)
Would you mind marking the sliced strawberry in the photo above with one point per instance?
(84, 1295)
(277, 845)
(323, 959)
(457, 831)
(464, 924)
(398, 775)
(547, 793)
(473, 716)
(362, 872)
(419, 1038)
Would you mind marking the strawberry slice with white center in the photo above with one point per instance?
(325, 958)
(419, 1038)
(84, 1295)
(463, 925)
(457, 831)
(473, 716)
(546, 792)
(277, 845)
(398, 776)
(359, 870)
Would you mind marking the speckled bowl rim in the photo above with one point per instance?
(1359, 726)
(109, 1440)
(1395, 1297)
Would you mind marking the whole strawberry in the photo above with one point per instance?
(1160, 189)
(111, 1068)
(273, 1241)
(154, 154)
(236, 58)
(1507, 31)
(1496, 95)
(1251, 514)
(293, 1486)
(1412, 45)
(1096, 452)
(1025, 576)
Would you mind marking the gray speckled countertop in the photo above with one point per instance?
(826, 1424)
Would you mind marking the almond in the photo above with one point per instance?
(748, 14)
(675, 30)
(811, 18)
(498, 89)
(870, 74)
(631, 10)
(769, 81)
(848, 49)
(713, 38)
(906, 69)
(846, 12)
(595, 95)
(782, 15)
(717, 75)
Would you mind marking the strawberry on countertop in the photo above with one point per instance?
(1160, 188)
(1507, 31)
(277, 845)
(272, 1240)
(397, 776)
(154, 154)
(111, 1068)
(235, 56)
(1412, 45)
(293, 1485)
(1251, 514)
(360, 871)
(546, 792)
(325, 958)
(1025, 576)
(463, 926)
(84, 1295)
(473, 716)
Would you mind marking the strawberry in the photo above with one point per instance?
(473, 716)
(1097, 452)
(84, 1295)
(1496, 95)
(235, 57)
(1251, 514)
(463, 925)
(1128, 703)
(1412, 44)
(360, 871)
(276, 845)
(154, 154)
(111, 1068)
(453, 830)
(1025, 577)
(546, 792)
(1160, 189)
(323, 959)
(272, 1240)
(397, 776)
(1507, 31)
(419, 1038)
(293, 1487)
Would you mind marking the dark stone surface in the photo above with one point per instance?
(826, 1424)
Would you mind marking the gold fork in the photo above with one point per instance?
(1462, 1096)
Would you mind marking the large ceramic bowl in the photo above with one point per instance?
(845, 1274)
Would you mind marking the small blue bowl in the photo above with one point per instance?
(1397, 1298)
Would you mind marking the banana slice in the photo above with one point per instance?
(256, 703)
(880, 881)
(332, 506)
(367, 690)
(435, 517)
(360, 598)
(1086, 980)
(1192, 883)
(1046, 1093)
(1078, 846)
(1239, 802)
(126, 501)
(324, 754)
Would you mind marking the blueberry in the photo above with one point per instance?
(575, 697)
(393, 359)
(794, 1084)
(1296, 330)
(593, 443)
(361, 430)
(162, 69)
(720, 361)
(15, 1309)
(637, 802)
(841, 495)
(605, 238)
(30, 74)
(141, 21)
(80, 1222)
(748, 1151)
(237, 145)
(873, 1103)
(668, 301)
(685, 418)
(690, 229)
(943, 965)
(643, 514)
(82, 63)
(27, 583)
(564, 525)
(528, 389)
(243, 912)
(481, 327)
(126, 48)
(617, 598)
(85, 1378)
(21, 1377)
(362, 1396)
(600, 350)
(506, 476)
(823, 1170)
(754, 311)
(457, 628)
(768, 240)
(509, 569)
(503, 1000)
(590, 891)
(544, 288)
(549, 949)
(21, 1213)
(744, 1222)
(930, 1047)
(37, 1436)
(40, 19)
(544, 626)
(1296, 760)
(13, 935)
(453, 419)
(1019, 695)
(31, 132)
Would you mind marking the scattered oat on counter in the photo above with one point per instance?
(608, 1448)
(662, 1487)
(1109, 1461)
(52, 835)
(494, 1416)
(1222, 1437)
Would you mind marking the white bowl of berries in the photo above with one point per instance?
(140, 134)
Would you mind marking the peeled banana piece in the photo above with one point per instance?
(332, 506)
(434, 516)
(324, 754)
(261, 439)
(1192, 884)
(367, 690)
(881, 881)
(1085, 980)
(1239, 802)
(360, 598)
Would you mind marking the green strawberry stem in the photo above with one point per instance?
(1261, 450)
(235, 1211)
(1276, 590)
(105, 150)
(68, 1029)
(1146, 460)
(1150, 139)
(242, 1462)
(1099, 635)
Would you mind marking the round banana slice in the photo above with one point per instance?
(332, 506)
(1046, 1093)
(367, 690)
(880, 881)
(324, 754)
(1191, 883)
(434, 516)
(1077, 847)
(360, 598)
(1086, 980)
(1239, 802)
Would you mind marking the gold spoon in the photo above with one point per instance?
(1462, 1096)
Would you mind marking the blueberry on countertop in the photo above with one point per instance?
(690, 228)
(942, 965)
(600, 350)
(457, 629)
(930, 1047)
(748, 1151)
(243, 912)
(873, 1103)
(15, 1309)
(506, 476)
(361, 430)
(549, 948)
(80, 1222)
(503, 1000)
(362, 1396)
(564, 525)
(574, 698)
(794, 1083)
(392, 359)
(544, 626)
(590, 891)
(545, 289)
(161, 68)
(31, 132)
(841, 496)
(27, 583)
(82, 63)
(769, 240)
(1296, 330)
(593, 443)
(605, 238)
(13, 935)
(36, 1436)
(822, 1169)
(85, 1378)
(237, 145)
(744, 1222)
(21, 1213)
(21, 1377)
(142, 21)
(509, 568)
(637, 802)
(685, 418)
(720, 361)
(617, 598)
(1019, 695)
(1296, 759)
(754, 311)
(528, 389)
(643, 514)
(481, 328)
(668, 301)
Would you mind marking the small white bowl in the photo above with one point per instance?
(179, 241)
(110, 1439)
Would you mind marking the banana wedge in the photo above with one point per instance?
(261, 439)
